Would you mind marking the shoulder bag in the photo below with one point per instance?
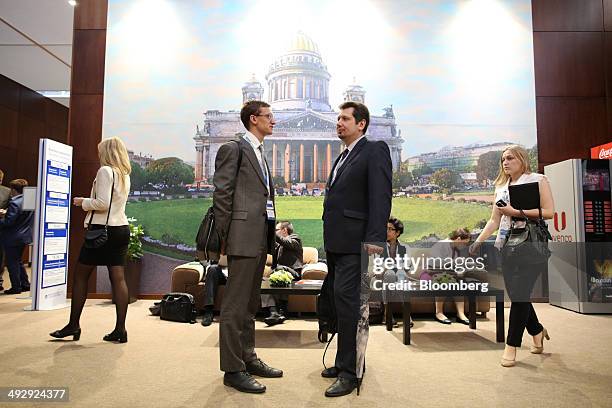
(97, 238)
(208, 239)
(528, 244)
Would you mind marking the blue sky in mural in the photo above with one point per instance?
(456, 72)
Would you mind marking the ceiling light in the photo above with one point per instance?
(73, 3)
(55, 94)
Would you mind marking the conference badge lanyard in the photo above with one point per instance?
(270, 210)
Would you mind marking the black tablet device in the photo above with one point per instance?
(525, 196)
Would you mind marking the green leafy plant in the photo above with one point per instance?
(280, 278)
(134, 251)
(444, 278)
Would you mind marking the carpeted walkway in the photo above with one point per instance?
(168, 364)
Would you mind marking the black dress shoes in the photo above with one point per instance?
(261, 369)
(243, 382)
(60, 334)
(274, 319)
(116, 336)
(463, 321)
(342, 386)
(12, 291)
(330, 372)
(207, 319)
(443, 321)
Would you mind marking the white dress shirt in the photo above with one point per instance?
(255, 143)
(341, 162)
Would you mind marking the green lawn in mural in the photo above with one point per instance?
(177, 221)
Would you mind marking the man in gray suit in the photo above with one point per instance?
(243, 203)
(5, 197)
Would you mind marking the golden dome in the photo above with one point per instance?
(302, 42)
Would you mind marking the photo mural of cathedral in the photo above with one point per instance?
(304, 143)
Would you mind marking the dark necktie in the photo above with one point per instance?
(339, 164)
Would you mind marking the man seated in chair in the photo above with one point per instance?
(289, 255)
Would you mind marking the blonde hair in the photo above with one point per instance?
(112, 153)
(521, 154)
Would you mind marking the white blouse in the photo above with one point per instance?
(501, 193)
(100, 199)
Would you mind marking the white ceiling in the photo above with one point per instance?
(36, 43)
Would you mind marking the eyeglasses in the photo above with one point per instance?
(391, 229)
(270, 116)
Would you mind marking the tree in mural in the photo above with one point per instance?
(138, 177)
(533, 157)
(402, 177)
(421, 171)
(446, 179)
(488, 166)
(170, 172)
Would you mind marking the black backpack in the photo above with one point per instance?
(208, 239)
(178, 307)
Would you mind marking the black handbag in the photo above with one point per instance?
(178, 307)
(208, 239)
(528, 244)
(97, 238)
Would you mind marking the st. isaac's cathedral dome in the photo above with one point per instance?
(298, 79)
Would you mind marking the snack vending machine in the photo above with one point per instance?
(580, 268)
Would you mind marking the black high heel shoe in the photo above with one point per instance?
(60, 334)
(116, 336)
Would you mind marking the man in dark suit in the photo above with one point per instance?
(5, 196)
(15, 234)
(243, 203)
(355, 212)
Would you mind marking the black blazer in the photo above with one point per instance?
(16, 226)
(290, 251)
(357, 205)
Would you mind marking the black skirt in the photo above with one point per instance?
(113, 252)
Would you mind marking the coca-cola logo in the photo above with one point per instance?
(602, 152)
(605, 153)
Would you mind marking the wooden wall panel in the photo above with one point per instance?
(569, 64)
(9, 121)
(88, 53)
(86, 104)
(607, 8)
(568, 127)
(567, 15)
(25, 117)
(9, 93)
(91, 15)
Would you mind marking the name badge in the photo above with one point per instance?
(270, 210)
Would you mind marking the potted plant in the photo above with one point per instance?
(134, 259)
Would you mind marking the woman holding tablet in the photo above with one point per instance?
(520, 274)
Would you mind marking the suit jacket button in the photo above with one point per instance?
(264, 214)
(265, 194)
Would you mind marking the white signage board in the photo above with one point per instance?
(51, 227)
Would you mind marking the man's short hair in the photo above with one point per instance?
(287, 225)
(360, 112)
(251, 108)
(18, 185)
(397, 224)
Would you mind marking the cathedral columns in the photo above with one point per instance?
(315, 173)
(199, 164)
(301, 162)
(287, 155)
(328, 159)
(273, 160)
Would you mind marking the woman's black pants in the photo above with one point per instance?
(520, 278)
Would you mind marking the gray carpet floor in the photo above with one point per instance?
(167, 364)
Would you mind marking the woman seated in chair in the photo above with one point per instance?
(456, 246)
